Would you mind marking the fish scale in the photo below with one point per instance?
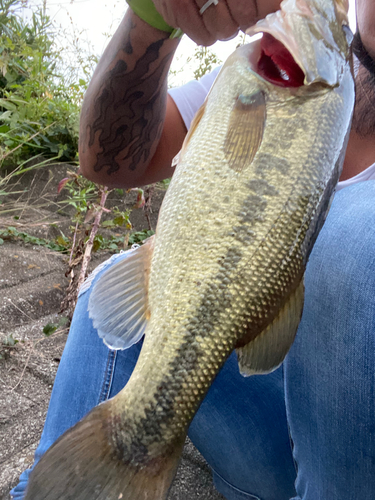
(225, 269)
(254, 285)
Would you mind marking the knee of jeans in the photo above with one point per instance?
(244, 471)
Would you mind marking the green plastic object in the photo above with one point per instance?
(177, 33)
(145, 9)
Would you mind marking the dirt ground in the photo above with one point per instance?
(32, 286)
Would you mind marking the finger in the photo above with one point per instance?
(265, 7)
(217, 19)
(248, 12)
(191, 22)
(184, 14)
(243, 12)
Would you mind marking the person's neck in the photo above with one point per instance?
(360, 154)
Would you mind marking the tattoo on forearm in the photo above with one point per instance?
(129, 111)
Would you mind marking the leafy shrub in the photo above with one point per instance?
(39, 113)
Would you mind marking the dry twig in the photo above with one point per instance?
(82, 254)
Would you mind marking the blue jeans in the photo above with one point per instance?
(323, 396)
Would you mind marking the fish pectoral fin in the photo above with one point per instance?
(268, 350)
(118, 304)
(245, 130)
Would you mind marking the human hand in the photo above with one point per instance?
(220, 20)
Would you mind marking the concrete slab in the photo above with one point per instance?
(31, 300)
(12, 468)
(20, 264)
(24, 401)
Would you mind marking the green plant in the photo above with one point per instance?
(207, 59)
(165, 183)
(38, 111)
(118, 243)
(80, 194)
(10, 341)
(6, 345)
(61, 244)
(89, 201)
(139, 236)
(40, 98)
(50, 328)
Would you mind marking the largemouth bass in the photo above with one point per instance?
(225, 269)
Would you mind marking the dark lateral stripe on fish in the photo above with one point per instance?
(150, 428)
(172, 390)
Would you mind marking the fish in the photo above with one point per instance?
(225, 268)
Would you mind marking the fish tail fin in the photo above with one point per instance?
(84, 464)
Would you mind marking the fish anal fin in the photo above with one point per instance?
(245, 130)
(268, 350)
(85, 463)
(118, 304)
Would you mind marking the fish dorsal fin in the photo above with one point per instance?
(118, 304)
(245, 130)
(268, 350)
(193, 127)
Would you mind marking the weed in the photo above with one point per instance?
(9, 341)
(61, 244)
(39, 109)
(51, 328)
(6, 345)
(38, 116)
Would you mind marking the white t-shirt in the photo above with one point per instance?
(190, 97)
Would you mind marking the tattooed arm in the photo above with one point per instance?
(130, 128)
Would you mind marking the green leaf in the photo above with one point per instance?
(62, 240)
(120, 220)
(96, 245)
(6, 116)
(7, 105)
(140, 236)
(108, 223)
(4, 129)
(10, 341)
(49, 329)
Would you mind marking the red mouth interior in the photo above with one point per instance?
(277, 65)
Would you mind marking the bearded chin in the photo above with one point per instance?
(364, 109)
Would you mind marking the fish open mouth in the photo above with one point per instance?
(277, 65)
